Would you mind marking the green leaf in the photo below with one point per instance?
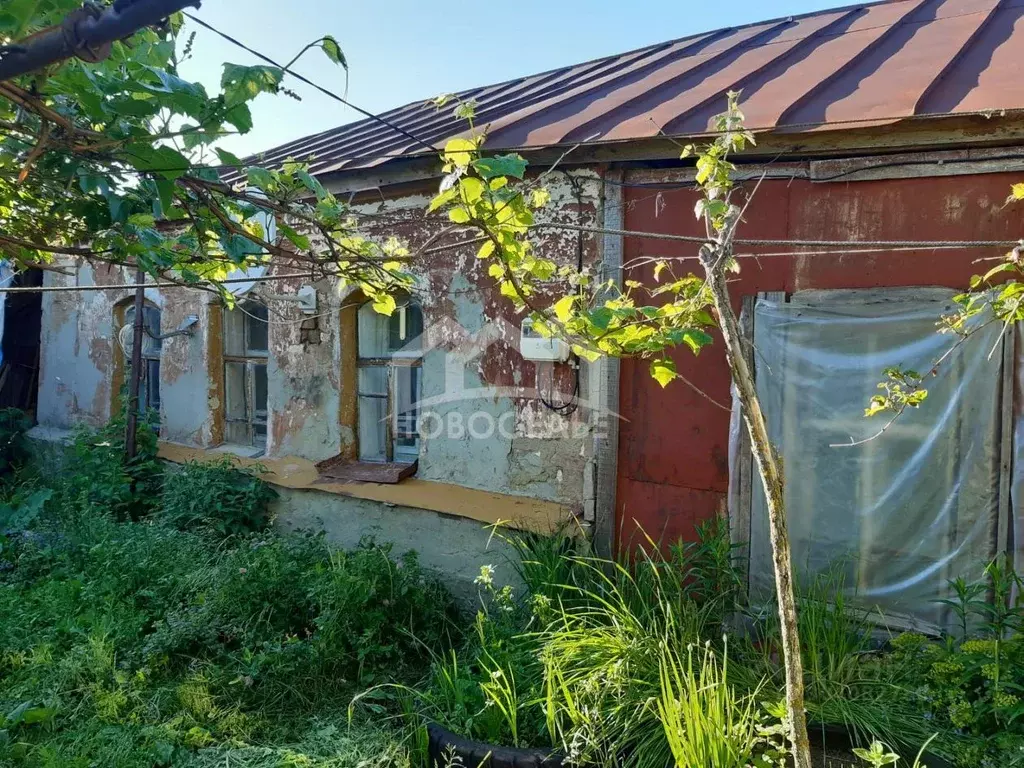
(333, 50)
(459, 215)
(540, 197)
(695, 339)
(164, 161)
(186, 97)
(310, 183)
(459, 152)
(142, 219)
(242, 84)
(240, 116)
(500, 165)
(297, 239)
(260, 178)
(563, 308)
(472, 189)
(601, 318)
(165, 190)
(664, 371)
(385, 304)
(486, 250)
(442, 199)
(1017, 191)
(227, 158)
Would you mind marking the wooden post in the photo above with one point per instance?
(135, 373)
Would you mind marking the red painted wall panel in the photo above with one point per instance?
(673, 444)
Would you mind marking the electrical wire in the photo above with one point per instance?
(132, 286)
(326, 91)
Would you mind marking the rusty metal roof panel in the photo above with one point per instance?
(865, 64)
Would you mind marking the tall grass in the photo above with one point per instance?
(706, 722)
(846, 683)
(602, 649)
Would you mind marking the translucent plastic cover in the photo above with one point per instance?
(895, 515)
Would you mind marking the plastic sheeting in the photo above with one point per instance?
(901, 514)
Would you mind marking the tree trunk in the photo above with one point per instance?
(771, 477)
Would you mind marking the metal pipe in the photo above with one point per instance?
(86, 33)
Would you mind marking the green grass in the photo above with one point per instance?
(127, 644)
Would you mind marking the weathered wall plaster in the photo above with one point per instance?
(489, 433)
(451, 546)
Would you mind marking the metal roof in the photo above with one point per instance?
(868, 64)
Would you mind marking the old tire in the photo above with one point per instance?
(445, 746)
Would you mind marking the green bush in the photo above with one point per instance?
(14, 451)
(218, 495)
(103, 479)
(147, 645)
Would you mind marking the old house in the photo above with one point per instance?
(888, 136)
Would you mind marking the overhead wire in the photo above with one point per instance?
(326, 91)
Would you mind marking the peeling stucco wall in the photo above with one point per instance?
(80, 354)
(489, 430)
(454, 547)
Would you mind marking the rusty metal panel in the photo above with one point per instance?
(673, 442)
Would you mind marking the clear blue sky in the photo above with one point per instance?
(406, 50)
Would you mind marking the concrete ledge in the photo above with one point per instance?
(292, 472)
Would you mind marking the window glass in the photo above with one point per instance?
(372, 332)
(373, 416)
(151, 383)
(373, 380)
(405, 326)
(235, 407)
(245, 374)
(257, 327)
(389, 381)
(234, 333)
(407, 394)
(151, 328)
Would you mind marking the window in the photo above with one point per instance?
(389, 382)
(245, 374)
(898, 516)
(149, 386)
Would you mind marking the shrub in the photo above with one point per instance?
(219, 495)
(155, 646)
(13, 443)
(103, 479)
(376, 615)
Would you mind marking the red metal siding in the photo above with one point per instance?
(673, 444)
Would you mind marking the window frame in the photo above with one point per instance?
(250, 359)
(740, 506)
(392, 362)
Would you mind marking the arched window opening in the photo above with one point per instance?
(152, 346)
